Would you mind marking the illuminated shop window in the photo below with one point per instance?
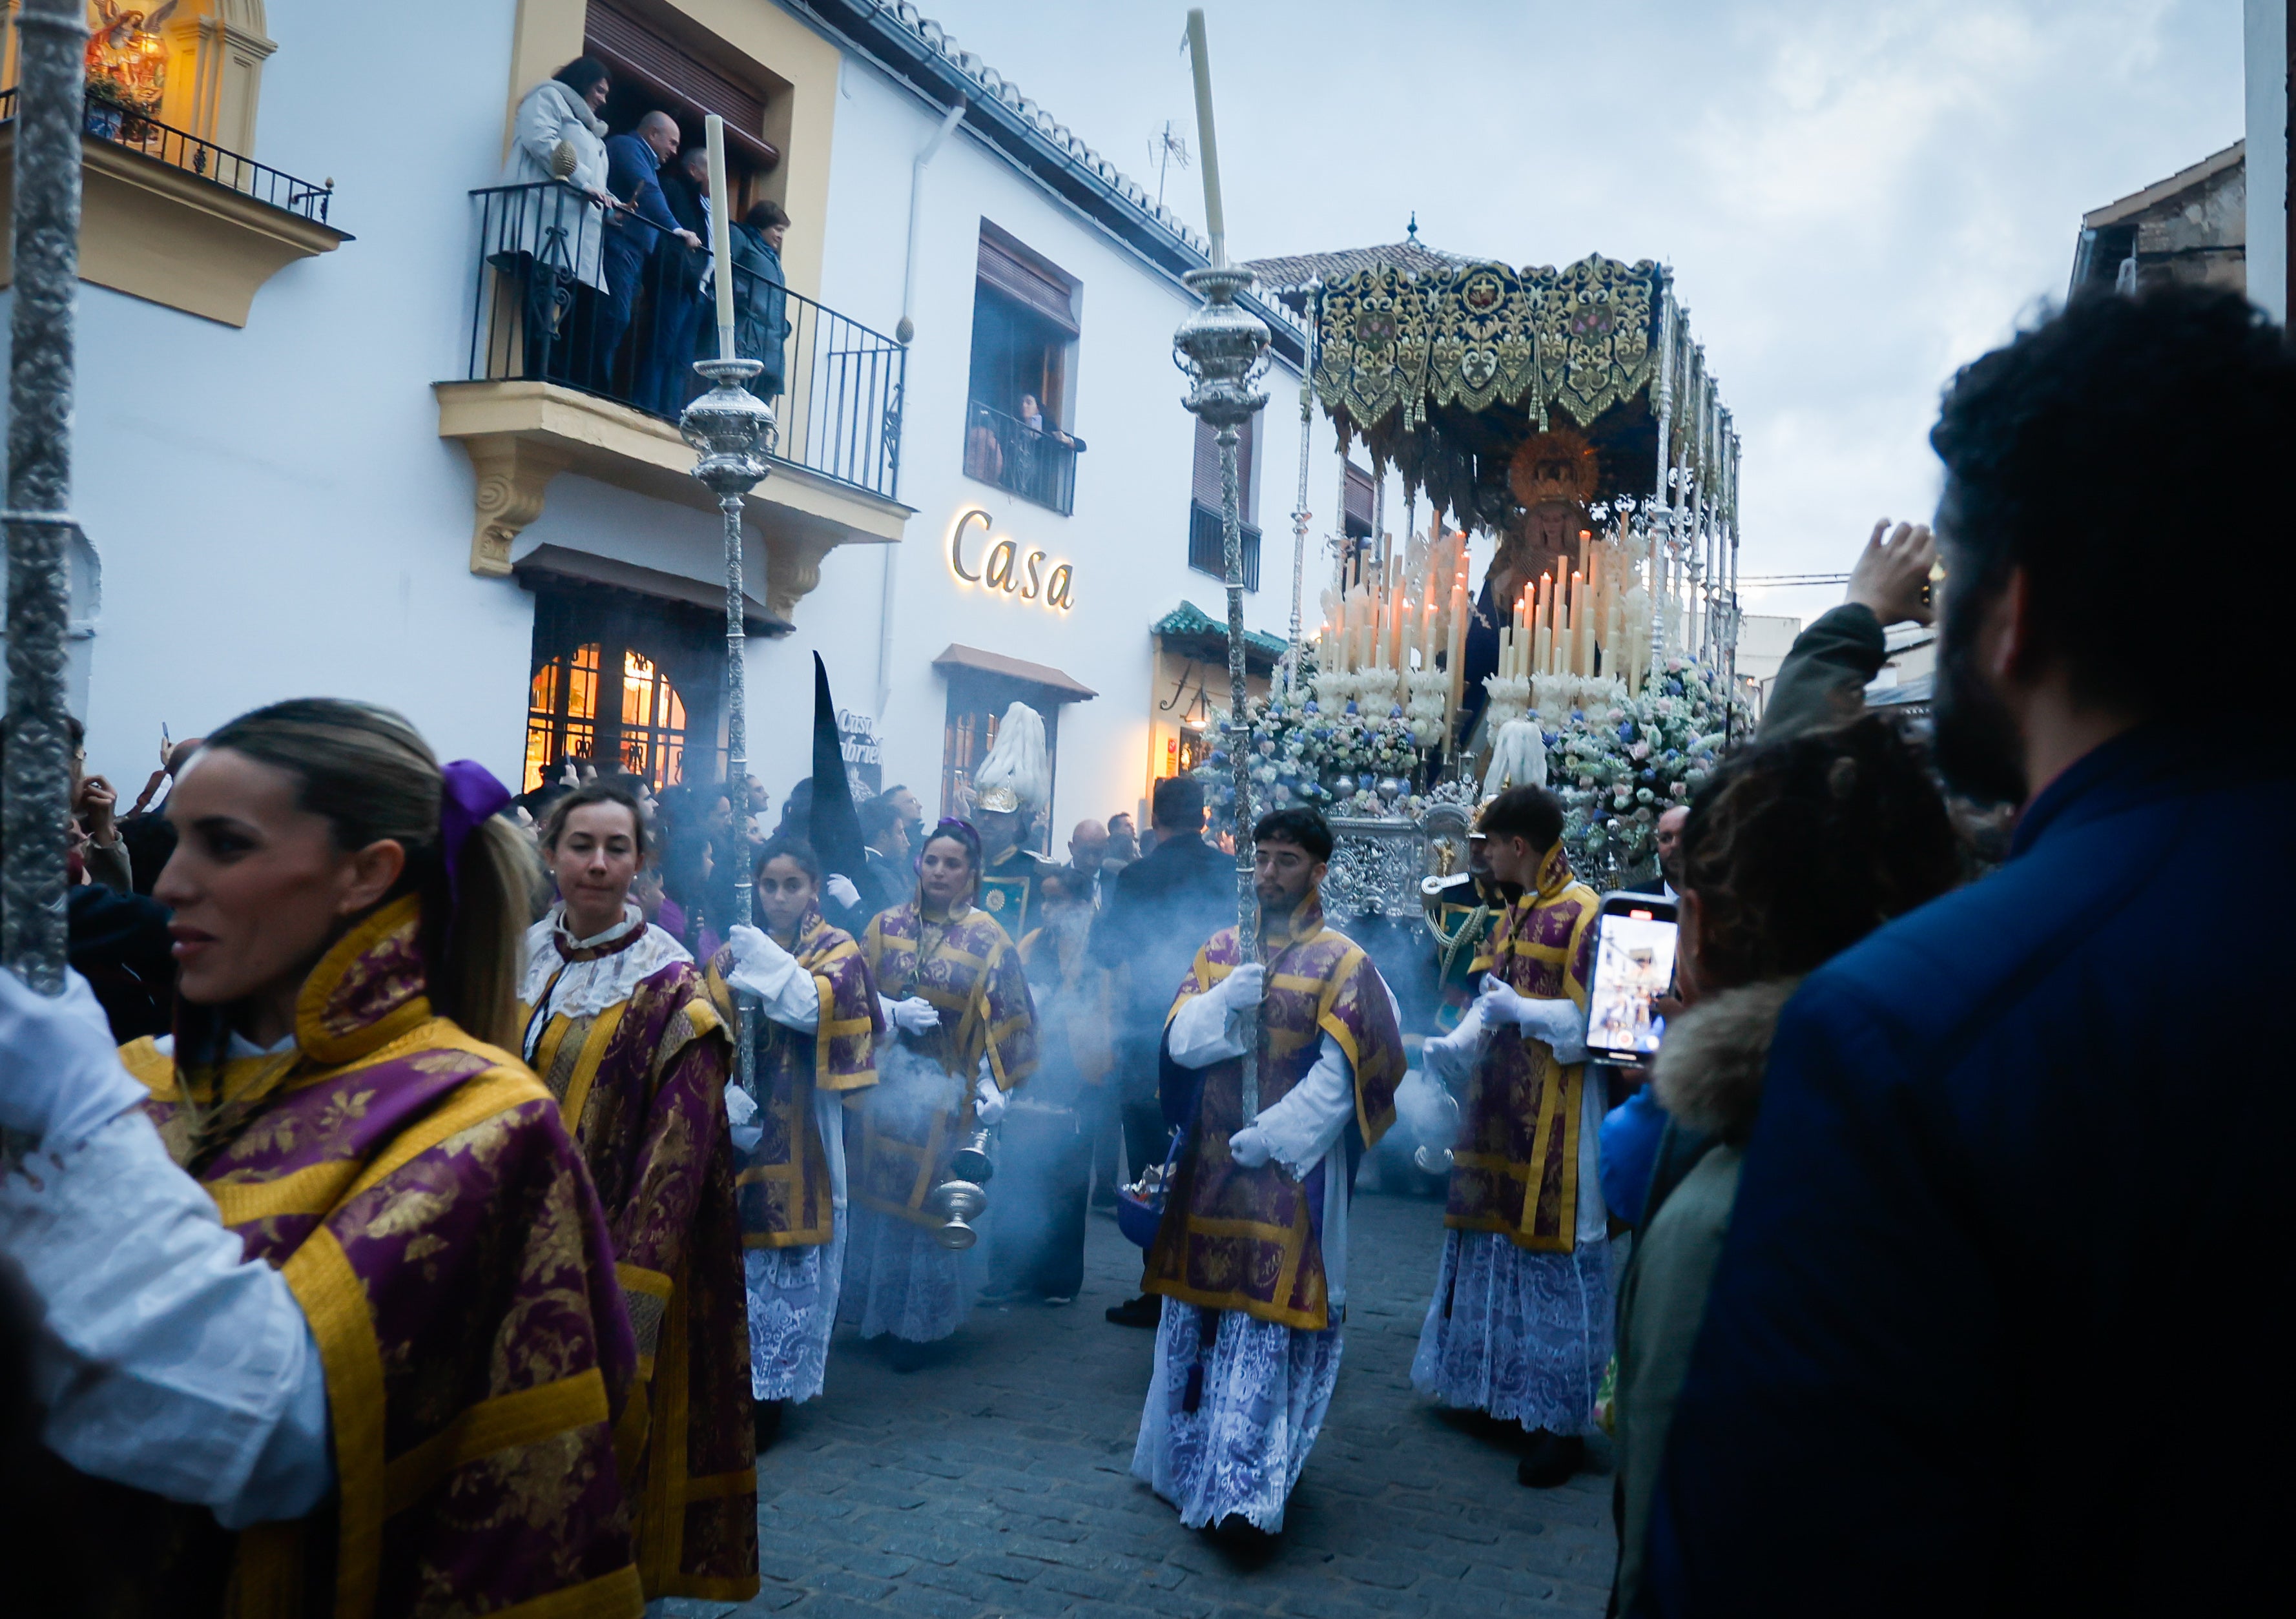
(563, 718)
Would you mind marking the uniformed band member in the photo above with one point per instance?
(1009, 791)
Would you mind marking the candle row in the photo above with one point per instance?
(1596, 620)
(1373, 624)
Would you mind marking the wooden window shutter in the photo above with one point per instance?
(1359, 501)
(631, 47)
(1204, 485)
(1027, 283)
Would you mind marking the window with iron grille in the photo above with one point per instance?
(1206, 545)
(1024, 343)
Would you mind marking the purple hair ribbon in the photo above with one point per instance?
(472, 798)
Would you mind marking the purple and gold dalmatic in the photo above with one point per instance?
(420, 1197)
(641, 1085)
(970, 970)
(1516, 1166)
(1249, 1240)
(782, 1183)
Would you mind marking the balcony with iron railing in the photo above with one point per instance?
(541, 311)
(137, 131)
(1037, 463)
(585, 320)
(1207, 546)
(172, 216)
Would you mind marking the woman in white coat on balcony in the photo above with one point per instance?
(562, 226)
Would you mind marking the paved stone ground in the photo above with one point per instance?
(997, 1481)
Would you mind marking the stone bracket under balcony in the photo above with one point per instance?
(155, 231)
(521, 435)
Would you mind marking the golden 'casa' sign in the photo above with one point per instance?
(1006, 567)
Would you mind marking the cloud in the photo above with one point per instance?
(1856, 196)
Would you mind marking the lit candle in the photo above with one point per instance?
(1578, 625)
(1455, 652)
(1207, 143)
(721, 234)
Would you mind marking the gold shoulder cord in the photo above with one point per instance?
(1449, 943)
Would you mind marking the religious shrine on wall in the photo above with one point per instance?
(1568, 417)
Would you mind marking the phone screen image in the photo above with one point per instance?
(1633, 966)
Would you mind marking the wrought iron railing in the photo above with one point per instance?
(549, 304)
(179, 148)
(1208, 546)
(1038, 464)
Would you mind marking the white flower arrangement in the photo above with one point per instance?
(1510, 699)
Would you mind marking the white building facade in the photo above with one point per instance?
(316, 453)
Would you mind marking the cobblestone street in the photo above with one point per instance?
(997, 1481)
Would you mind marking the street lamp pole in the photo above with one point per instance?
(51, 45)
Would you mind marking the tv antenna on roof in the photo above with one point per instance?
(1164, 148)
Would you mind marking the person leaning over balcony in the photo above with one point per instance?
(761, 326)
(561, 228)
(666, 379)
(634, 163)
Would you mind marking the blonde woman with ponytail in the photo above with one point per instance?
(386, 1385)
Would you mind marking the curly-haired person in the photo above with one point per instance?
(2018, 1166)
(1795, 850)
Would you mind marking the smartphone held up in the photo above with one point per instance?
(1634, 943)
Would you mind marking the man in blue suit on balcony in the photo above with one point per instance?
(634, 163)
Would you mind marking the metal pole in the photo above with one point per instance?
(1223, 350)
(1299, 514)
(734, 431)
(52, 42)
(1660, 523)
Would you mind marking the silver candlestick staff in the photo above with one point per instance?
(1223, 350)
(733, 429)
(52, 40)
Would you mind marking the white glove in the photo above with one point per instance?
(1249, 1147)
(59, 1075)
(1453, 1057)
(1243, 988)
(988, 1102)
(913, 1015)
(840, 888)
(741, 1120)
(756, 955)
(1559, 1023)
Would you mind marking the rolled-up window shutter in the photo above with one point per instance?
(632, 48)
(1027, 284)
(1205, 483)
(1359, 501)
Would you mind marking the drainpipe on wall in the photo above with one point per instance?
(902, 333)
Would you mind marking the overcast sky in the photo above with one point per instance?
(1856, 196)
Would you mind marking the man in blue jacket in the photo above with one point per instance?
(1988, 1334)
(634, 163)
